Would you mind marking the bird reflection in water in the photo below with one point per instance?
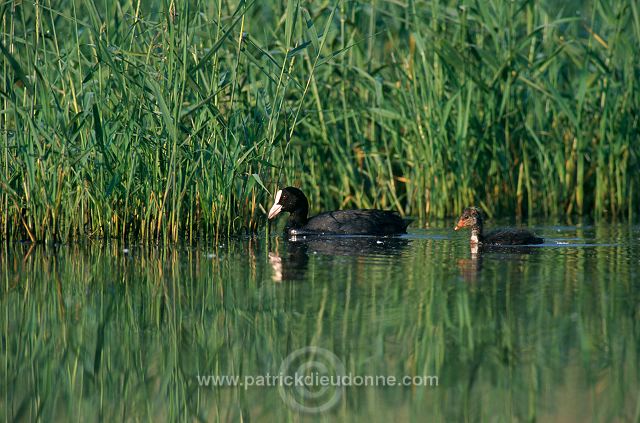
(293, 262)
(470, 268)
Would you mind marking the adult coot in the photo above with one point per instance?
(472, 216)
(339, 222)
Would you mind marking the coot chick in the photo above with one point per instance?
(339, 222)
(472, 216)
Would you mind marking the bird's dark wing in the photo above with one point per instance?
(512, 236)
(357, 222)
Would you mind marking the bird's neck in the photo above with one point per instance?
(298, 218)
(476, 233)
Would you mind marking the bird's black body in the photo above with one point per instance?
(352, 222)
(340, 222)
(510, 236)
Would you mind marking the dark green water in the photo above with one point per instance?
(549, 333)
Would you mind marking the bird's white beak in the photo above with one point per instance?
(276, 208)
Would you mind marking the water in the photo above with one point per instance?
(548, 333)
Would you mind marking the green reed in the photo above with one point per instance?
(176, 120)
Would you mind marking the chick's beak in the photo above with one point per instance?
(459, 225)
(275, 210)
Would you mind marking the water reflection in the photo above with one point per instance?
(93, 333)
(291, 265)
(292, 262)
(471, 267)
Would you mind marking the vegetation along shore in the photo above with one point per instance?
(179, 120)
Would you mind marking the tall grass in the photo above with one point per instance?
(175, 121)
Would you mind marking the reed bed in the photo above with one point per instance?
(175, 121)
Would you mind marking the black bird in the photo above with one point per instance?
(472, 216)
(339, 222)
